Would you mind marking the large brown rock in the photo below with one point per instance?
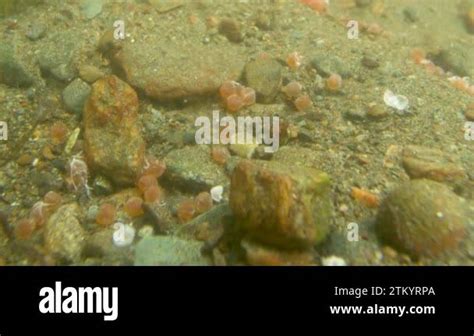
(279, 205)
(113, 143)
(169, 68)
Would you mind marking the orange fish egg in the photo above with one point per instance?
(334, 83)
(152, 194)
(303, 103)
(234, 103)
(154, 167)
(229, 88)
(220, 154)
(134, 207)
(292, 89)
(319, 6)
(146, 181)
(186, 211)
(294, 60)
(365, 197)
(106, 215)
(418, 55)
(202, 202)
(53, 199)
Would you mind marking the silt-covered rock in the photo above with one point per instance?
(280, 205)
(422, 218)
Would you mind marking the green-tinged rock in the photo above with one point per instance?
(63, 235)
(281, 205)
(75, 96)
(57, 55)
(12, 71)
(192, 169)
(91, 8)
(113, 143)
(433, 164)
(264, 76)
(169, 251)
(422, 218)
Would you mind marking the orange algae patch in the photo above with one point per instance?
(365, 197)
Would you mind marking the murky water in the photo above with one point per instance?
(311, 132)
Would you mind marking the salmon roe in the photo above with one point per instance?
(292, 89)
(294, 60)
(203, 202)
(146, 181)
(334, 83)
(106, 215)
(220, 154)
(186, 211)
(154, 167)
(134, 207)
(303, 103)
(58, 133)
(236, 96)
(319, 6)
(152, 194)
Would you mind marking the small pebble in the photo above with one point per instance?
(216, 193)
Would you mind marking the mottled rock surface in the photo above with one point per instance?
(422, 218)
(264, 76)
(281, 205)
(112, 140)
(169, 251)
(64, 236)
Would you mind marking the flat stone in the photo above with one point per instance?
(433, 164)
(169, 69)
(280, 205)
(422, 218)
(75, 96)
(169, 251)
(192, 169)
(264, 75)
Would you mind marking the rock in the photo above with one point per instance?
(363, 3)
(370, 62)
(36, 31)
(264, 76)
(192, 169)
(91, 8)
(63, 234)
(455, 59)
(280, 205)
(169, 251)
(168, 69)
(231, 29)
(260, 255)
(13, 71)
(422, 218)
(377, 112)
(57, 55)
(356, 114)
(113, 143)
(433, 164)
(326, 65)
(90, 73)
(75, 96)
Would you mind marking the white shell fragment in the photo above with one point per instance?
(216, 193)
(398, 102)
(333, 261)
(123, 234)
